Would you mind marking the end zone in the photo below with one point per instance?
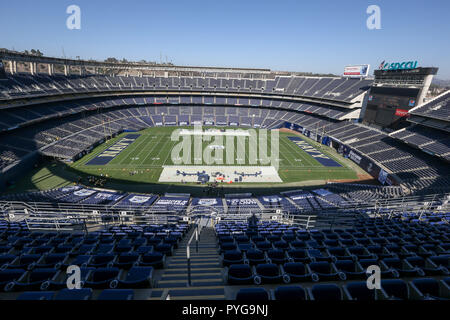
(225, 174)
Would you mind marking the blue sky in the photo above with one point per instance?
(295, 35)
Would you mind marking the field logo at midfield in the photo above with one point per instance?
(222, 141)
(313, 152)
(110, 153)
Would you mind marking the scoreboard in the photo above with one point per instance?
(387, 107)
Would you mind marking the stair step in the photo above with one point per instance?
(194, 259)
(193, 265)
(210, 297)
(196, 270)
(202, 276)
(208, 283)
(196, 292)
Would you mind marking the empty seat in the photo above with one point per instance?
(25, 261)
(164, 248)
(298, 271)
(351, 268)
(255, 256)
(126, 260)
(153, 259)
(40, 295)
(268, 273)
(326, 271)
(240, 274)
(299, 255)
(428, 288)
(144, 249)
(61, 282)
(403, 268)
(359, 291)
(137, 277)
(338, 253)
(317, 255)
(232, 257)
(102, 260)
(252, 294)
(395, 289)
(52, 260)
(10, 275)
(277, 256)
(74, 294)
(101, 277)
(264, 245)
(34, 279)
(116, 294)
(326, 292)
(290, 293)
(104, 248)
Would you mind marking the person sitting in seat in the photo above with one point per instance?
(253, 221)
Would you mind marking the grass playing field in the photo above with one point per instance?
(152, 150)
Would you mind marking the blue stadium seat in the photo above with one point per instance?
(326, 292)
(126, 260)
(52, 260)
(104, 248)
(255, 256)
(136, 277)
(232, 257)
(277, 256)
(101, 277)
(144, 249)
(61, 281)
(42, 295)
(252, 294)
(24, 261)
(429, 289)
(152, 259)
(403, 268)
(299, 255)
(395, 289)
(74, 294)
(263, 245)
(359, 291)
(240, 274)
(289, 293)
(326, 271)
(164, 248)
(102, 260)
(352, 269)
(33, 280)
(116, 294)
(10, 275)
(298, 271)
(268, 273)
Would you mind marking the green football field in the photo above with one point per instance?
(153, 149)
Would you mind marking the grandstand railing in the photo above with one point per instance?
(56, 224)
(106, 214)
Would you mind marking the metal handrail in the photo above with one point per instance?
(188, 250)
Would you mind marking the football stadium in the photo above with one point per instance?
(153, 181)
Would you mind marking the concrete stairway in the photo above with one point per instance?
(206, 272)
